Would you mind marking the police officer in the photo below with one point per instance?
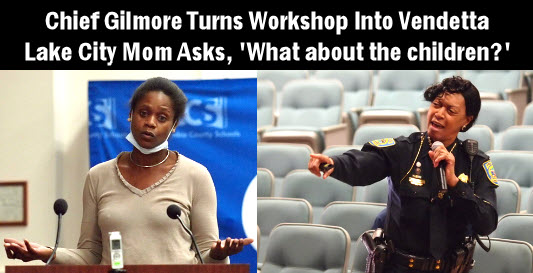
(425, 226)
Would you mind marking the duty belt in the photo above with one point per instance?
(417, 262)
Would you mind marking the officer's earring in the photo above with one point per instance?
(464, 127)
(129, 119)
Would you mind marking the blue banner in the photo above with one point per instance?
(218, 131)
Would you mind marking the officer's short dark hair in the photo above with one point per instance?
(457, 84)
(176, 95)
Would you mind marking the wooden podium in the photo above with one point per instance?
(178, 268)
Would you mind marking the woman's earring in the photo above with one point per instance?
(464, 127)
(129, 119)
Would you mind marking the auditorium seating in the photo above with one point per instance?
(498, 116)
(354, 217)
(357, 86)
(266, 104)
(398, 97)
(443, 74)
(307, 248)
(508, 196)
(515, 165)
(274, 211)
(515, 226)
(504, 256)
(493, 84)
(311, 113)
(265, 183)
(482, 133)
(368, 132)
(359, 263)
(281, 158)
(318, 191)
(518, 138)
(280, 78)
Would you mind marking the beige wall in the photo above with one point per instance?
(44, 117)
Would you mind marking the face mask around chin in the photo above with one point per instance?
(145, 151)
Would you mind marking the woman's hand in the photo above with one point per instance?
(442, 154)
(26, 251)
(314, 164)
(222, 249)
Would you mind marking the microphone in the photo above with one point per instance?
(60, 208)
(441, 175)
(471, 147)
(174, 212)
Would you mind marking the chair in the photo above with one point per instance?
(282, 158)
(508, 195)
(374, 193)
(530, 203)
(398, 97)
(518, 138)
(306, 248)
(504, 256)
(500, 84)
(274, 211)
(318, 191)
(482, 133)
(515, 226)
(357, 86)
(266, 104)
(515, 165)
(498, 116)
(494, 84)
(354, 217)
(265, 183)
(280, 78)
(528, 115)
(311, 113)
(368, 132)
(443, 74)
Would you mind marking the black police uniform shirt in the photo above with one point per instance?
(413, 190)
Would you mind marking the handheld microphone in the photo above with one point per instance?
(60, 208)
(174, 212)
(441, 175)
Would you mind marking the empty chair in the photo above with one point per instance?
(318, 191)
(354, 217)
(515, 226)
(528, 115)
(266, 104)
(311, 113)
(282, 158)
(498, 116)
(265, 183)
(398, 97)
(482, 133)
(368, 132)
(492, 84)
(374, 193)
(518, 138)
(357, 86)
(504, 256)
(515, 165)
(508, 196)
(274, 211)
(307, 248)
(443, 74)
(280, 78)
(530, 203)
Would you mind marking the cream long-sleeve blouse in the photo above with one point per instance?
(149, 236)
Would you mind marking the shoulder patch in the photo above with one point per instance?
(384, 142)
(489, 171)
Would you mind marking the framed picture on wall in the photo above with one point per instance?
(13, 203)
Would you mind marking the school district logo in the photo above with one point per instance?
(210, 112)
(102, 113)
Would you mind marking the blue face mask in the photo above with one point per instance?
(156, 149)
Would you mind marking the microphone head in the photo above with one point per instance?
(471, 147)
(436, 144)
(60, 206)
(173, 211)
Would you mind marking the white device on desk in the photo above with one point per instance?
(115, 245)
